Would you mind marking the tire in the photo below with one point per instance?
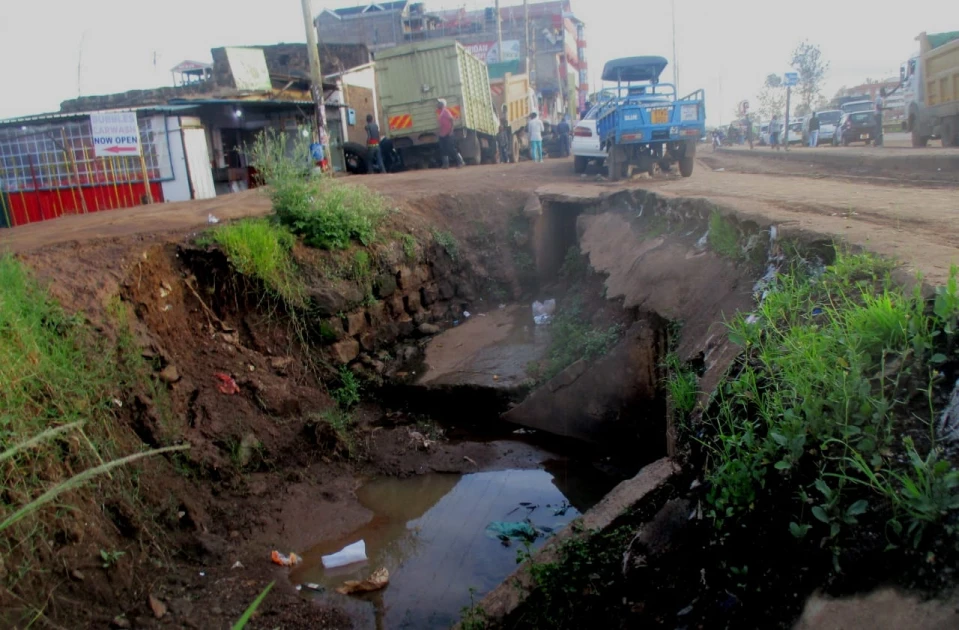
(470, 149)
(579, 164)
(918, 141)
(355, 155)
(949, 133)
(612, 164)
(686, 166)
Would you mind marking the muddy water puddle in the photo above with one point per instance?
(432, 532)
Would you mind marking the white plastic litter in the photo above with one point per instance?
(466, 314)
(347, 555)
(212, 219)
(543, 311)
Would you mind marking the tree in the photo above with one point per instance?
(772, 97)
(808, 62)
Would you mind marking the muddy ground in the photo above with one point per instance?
(217, 517)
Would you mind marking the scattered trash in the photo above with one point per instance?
(752, 319)
(701, 243)
(237, 565)
(312, 586)
(117, 402)
(562, 509)
(817, 311)
(163, 292)
(502, 306)
(685, 611)
(456, 323)
(377, 580)
(524, 432)
(695, 484)
(543, 311)
(284, 561)
(202, 574)
(166, 307)
(496, 377)
(466, 314)
(469, 459)
(212, 219)
(420, 441)
(506, 530)
(226, 385)
(349, 554)
(719, 170)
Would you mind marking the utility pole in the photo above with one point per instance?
(526, 38)
(672, 5)
(316, 78)
(499, 35)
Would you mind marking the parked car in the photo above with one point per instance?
(857, 106)
(828, 121)
(585, 146)
(856, 127)
(794, 134)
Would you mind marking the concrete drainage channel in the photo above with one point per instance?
(507, 436)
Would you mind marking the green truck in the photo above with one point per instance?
(409, 80)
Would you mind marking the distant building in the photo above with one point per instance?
(194, 136)
(557, 40)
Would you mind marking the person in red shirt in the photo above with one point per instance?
(447, 147)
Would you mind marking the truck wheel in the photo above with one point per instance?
(686, 166)
(918, 141)
(355, 155)
(948, 132)
(579, 164)
(616, 164)
(470, 149)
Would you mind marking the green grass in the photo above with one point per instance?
(723, 236)
(572, 338)
(347, 393)
(61, 389)
(682, 386)
(409, 246)
(818, 407)
(448, 242)
(261, 249)
(326, 213)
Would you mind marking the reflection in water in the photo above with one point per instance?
(429, 531)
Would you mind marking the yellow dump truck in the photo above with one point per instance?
(930, 89)
(513, 100)
(410, 79)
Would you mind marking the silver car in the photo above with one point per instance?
(586, 147)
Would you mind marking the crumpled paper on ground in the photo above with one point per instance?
(377, 580)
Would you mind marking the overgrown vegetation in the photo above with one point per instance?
(61, 388)
(682, 385)
(572, 337)
(261, 248)
(833, 406)
(326, 213)
(448, 242)
(723, 237)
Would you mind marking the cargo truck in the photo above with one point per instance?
(513, 99)
(929, 83)
(409, 80)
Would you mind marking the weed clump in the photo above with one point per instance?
(261, 248)
(448, 242)
(832, 404)
(326, 213)
(723, 237)
(572, 338)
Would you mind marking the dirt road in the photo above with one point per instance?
(915, 224)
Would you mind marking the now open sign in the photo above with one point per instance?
(115, 133)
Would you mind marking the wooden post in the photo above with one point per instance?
(316, 77)
(116, 189)
(78, 204)
(146, 176)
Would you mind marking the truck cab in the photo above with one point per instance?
(929, 84)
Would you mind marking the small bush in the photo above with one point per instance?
(572, 338)
(448, 242)
(348, 393)
(260, 248)
(723, 237)
(327, 213)
(682, 384)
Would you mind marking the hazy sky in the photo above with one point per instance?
(727, 48)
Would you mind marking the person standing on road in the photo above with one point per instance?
(774, 128)
(373, 146)
(535, 129)
(562, 130)
(814, 130)
(447, 147)
(880, 102)
(504, 141)
(749, 130)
